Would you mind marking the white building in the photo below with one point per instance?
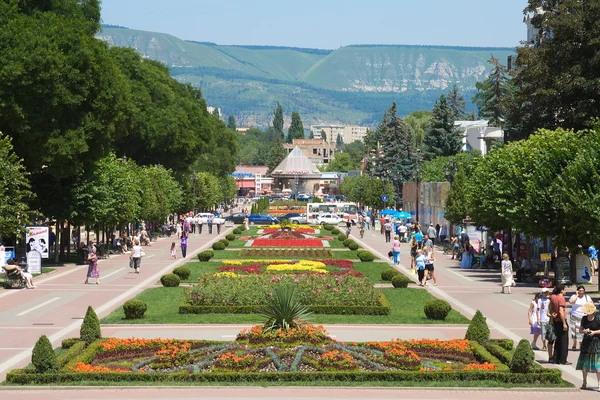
(478, 135)
(349, 133)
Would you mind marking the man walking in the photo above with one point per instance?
(431, 234)
(210, 224)
(387, 227)
(561, 329)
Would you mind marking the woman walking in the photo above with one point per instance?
(137, 256)
(184, 238)
(429, 259)
(507, 273)
(414, 245)
(589, 360)
(420, 262)
(577, 301)
(396, 250)
(92, 267)
(534, 321)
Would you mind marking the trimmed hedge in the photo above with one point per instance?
(335, 231)
(382, 309)
(365, 256)
(76, 349)
(328, 227)
(347, 242)
(67, 343)
(134, 309)
(43, 356)
(482, 355)
(478, 330)
(341, 237)
(218, 246)
(90, 328)
(230, 237)
(523, 359)
(506, 344)
(499, 352)
(170, 280)
(182, 272)
(546, 376)
(206, 255)
(388, 274)
(437, 309)
(353, 246)
(400, 281)
(225, 242)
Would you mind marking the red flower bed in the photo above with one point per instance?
(249, 269)
(287, 243)
(286, 235)
(295, 230)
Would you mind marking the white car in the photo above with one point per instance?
(299, 220)
(205, 216)
(331, 219)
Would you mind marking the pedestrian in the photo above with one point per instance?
(429, 244)
(454, 244)
(543, 304)
(367, 221)
(413, 251)
(382, 223)
(173, 251)
(210, 224)
(402, 229)
(396, 250)
(507, 273)
(200, 223)
(246, 223)
(420, 263)
(184, 244)
(593, 259)
(429, 268)
(589, 359)
(534, 321)
(179, 230)
(218, 223)
(443, 234)
(186, 225)
(93, 271)
(348, 227)
(388, 231)
(561, 328)
(577, 301)
(136, 256)
(431, 234)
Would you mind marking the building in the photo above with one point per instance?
(349, 133)
(296, 173)
(251, 180)
(242, 129)
(212, 109)
(478, 135)
(318, 151)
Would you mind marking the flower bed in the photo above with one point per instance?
(304, 353)
(299, 253)
(241, 267)
(287, 243)
(228, 292)
(294, 229)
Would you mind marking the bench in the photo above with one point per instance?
(13, 278)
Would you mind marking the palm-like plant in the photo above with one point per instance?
(284, 310)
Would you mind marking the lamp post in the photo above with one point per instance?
(194, 179)
(451, 171)
(418, 159)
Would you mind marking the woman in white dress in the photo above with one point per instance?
(507, 273)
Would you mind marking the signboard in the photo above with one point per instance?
(34, 262)
(582, 268)
(36, 239)
(384, 198)
(6, 253)
(545, 257)
(562, 270)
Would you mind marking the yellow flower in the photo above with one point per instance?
(225, 274)
(304, 265)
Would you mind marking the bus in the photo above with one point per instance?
(343, 210)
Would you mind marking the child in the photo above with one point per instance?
(420, 262)
(173, 252)
(534, 321)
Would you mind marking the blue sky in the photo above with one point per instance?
(327, 24)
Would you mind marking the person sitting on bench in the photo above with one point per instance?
(26, 275)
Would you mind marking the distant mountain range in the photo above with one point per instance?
(352, 84)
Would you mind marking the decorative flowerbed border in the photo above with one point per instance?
(306, 253)
(287, 243)
(337, 267)
(259, 356)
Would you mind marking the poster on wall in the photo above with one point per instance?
(36, 239)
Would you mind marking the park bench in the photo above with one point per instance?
(13, 278)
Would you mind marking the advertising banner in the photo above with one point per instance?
(36, 239)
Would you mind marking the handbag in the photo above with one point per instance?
(130, 262)
(413, 271)
(142, 253)
(550, 334)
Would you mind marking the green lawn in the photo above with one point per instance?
(163, 305)
(236, 244)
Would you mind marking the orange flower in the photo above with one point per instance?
(82, 367)
(480, 367)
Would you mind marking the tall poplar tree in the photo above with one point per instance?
(276, 154)
(296, 130)
(278, 120)
(231, 123)
(442, 138)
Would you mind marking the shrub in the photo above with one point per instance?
(365, 256)
(347, 242)
(90, 328)
(400, 281)
(522, 360)
(335, 231)
(388, 274)
(327, 227)
(436, 309)
(478, 329)
(205, 255)
(218, 246)
(68, 343)
(134, 309)
(230, 237)
(341, 237)
(225, 242)
(43, 357)
(283, 310)
(170, 280)
(182, 272)
(353, 246)
(237, 231)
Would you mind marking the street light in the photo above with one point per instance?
(418, 160)
(451, 171)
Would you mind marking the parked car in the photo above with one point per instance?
(304, 197)
(265, 219)
(288, 216)
(237, 218)
(299, 219)
(329, 219)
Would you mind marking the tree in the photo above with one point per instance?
(356, 151)
(418, 123)
(341, 163)
(278, 120)
(204, 190)
(442, 139)
(311, 135)
(456, 209)
(231, 123)
(276, 154)
(14, 190)
(323, 135)
(435, 170)
(368, 191)
(296, 130)
(396, 160)
(161, 194)
(558, 78)
(456, 101)
(216, 113)
(494, 94)
(339, 141)
(472, 116)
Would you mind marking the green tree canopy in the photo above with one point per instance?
(367, 191)
(276, 154)
(418, 123)
(296, 130)
(442, 138)
(456, 207)
(278, 120)
(435, 170)
(494, 94)
(342, 162)
(231, 123)
(456, 101)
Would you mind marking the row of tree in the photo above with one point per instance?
(67, 101)
(367, 191)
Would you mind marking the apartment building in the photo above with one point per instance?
(318, 151)
(349, 133)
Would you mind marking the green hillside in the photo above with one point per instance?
(352, 84)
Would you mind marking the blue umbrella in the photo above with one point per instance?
(389, 211)
(402, 215)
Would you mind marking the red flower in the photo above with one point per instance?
(287, 243)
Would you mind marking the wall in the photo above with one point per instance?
(432, 197)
